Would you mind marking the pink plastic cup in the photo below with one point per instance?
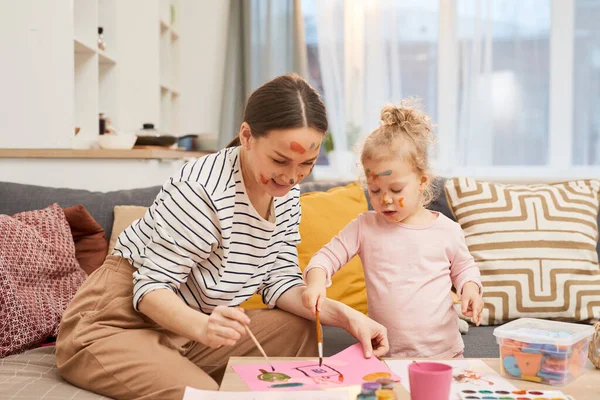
(429, 381)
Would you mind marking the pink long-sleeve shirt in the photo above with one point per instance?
(409, 272)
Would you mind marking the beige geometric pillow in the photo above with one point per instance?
(535, 246)
(123, 217)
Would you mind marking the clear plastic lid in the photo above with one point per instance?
(532, 330)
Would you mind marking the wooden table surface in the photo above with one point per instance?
(586, 387)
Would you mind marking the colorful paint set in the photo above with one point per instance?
(548, 352)
(514, 395)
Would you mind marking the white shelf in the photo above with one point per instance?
(105, 58)
(85, 18)
(168, 88)
(81, 47)
(169, 60)
(103, 85)
(164, 26)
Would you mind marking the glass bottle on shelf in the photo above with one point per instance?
(101, 42)
(102, 124)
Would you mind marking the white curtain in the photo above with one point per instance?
(503, 82)
(265, 39)
(372, 53)
(586, 83)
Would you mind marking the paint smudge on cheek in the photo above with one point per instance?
(312, 146)
(401, 202)
(291, 181)
(297, 147)
(263, 180)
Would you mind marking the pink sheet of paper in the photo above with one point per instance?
(346, 368)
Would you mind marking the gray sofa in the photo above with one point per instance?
(34, 373)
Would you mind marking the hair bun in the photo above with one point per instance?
(392, 115)
(408, 116)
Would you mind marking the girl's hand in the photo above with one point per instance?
(315, 293)
(224, 327)
(313, 297)
(472, 302)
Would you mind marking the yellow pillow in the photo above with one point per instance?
(324, 215)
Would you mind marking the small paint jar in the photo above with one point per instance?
(385, 394)
(386, 383)
(370, 387)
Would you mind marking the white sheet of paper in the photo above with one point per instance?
(489, 379)
(195, 394)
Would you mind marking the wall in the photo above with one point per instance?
(204, 29)
(36, 73)
(96, 174)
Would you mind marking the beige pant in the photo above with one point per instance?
(105, 346)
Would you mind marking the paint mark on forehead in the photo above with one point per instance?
(387, 172)
(297, 147)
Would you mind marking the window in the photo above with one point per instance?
(504, 75)
(514, 86)
(363, 54)
(586, 85)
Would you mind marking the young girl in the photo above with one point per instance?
(411, 256)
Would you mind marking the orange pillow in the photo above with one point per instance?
(89, 237)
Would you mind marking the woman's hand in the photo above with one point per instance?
(372, 335)
(315, 293)
(224, 327)
(472, 302)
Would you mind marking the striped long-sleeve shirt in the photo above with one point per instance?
(203, 239)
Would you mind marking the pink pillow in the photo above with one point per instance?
(39, 275)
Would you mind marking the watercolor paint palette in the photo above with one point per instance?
(478, 394)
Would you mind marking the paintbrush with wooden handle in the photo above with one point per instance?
(319, 338)
(259, 347)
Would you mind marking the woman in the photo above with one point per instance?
(222, 228)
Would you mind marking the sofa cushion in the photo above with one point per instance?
(16, 197)
(39, 275)
(124, 216)
(89, 238)
(33, 375)
(535, 246)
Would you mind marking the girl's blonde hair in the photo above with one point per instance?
(405, 132)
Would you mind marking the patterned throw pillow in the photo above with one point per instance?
(535, 246)
(39, 275)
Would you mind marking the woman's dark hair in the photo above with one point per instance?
(286, 102)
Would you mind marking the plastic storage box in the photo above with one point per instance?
(537, 350)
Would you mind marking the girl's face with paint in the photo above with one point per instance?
(394, 189)
(283, 158)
